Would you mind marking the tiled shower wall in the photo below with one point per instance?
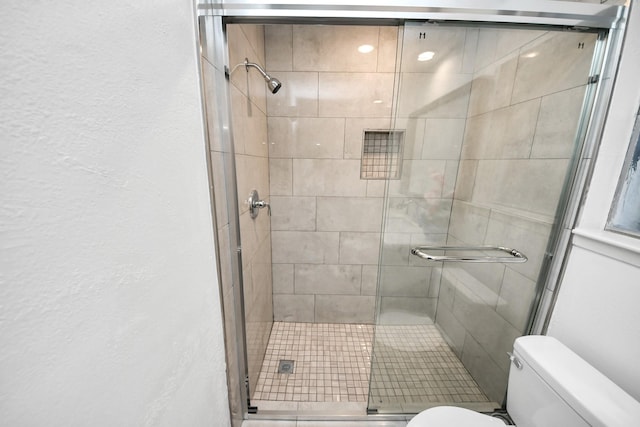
(248, 109)
(325, 220)
(432, 108)
(213, 74)
(526, 95)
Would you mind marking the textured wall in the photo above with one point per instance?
(110, 308)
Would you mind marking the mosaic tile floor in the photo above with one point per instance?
(332, 363)
(413, 367)
(412, 364)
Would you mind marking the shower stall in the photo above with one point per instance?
(392, 206)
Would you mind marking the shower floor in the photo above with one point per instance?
(413, 369)
(332, 363)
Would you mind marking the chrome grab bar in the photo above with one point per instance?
(514, 255)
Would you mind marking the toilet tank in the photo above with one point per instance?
(555, 387)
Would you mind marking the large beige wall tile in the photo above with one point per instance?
(403, 310)
(492, 86)
(249, 82)
(253, 231)
(322, 177)
(355, 94)
(387, 48)
(298, 96)
(516, 297)
(293, 308)
(443, 138)
(395, 248)
(254, 34)
(532, 186)
(344, 309)
(553, 63)
(278, 44)
(349, 214)
(508, 41)
(472, 279)
(334, 48)
(376, 187)
(249, 126)
(454, 332)
(404, 281)
(486, 326)
(434, 95)
(282, 278)
(491, 378)
(320, 279)
(557, 124)
(359, 248)
(469, 222)
(259, 290)
(281, 177)
(450, 176)
(466, 180)
(293, 213)
(369, 280)
(305, 247)
(252, 173)
(495, 44)
(415, 215)
(506, 133)
(446, 43)
(526, 235)
(486, 48)
(420, 178)
(413, 136)
(307, 138)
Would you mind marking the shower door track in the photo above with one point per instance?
(567, 14)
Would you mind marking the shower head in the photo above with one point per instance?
(273, 84)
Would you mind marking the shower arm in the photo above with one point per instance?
(273, 84)
(248, 64)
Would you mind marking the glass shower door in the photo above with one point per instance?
(488, 119)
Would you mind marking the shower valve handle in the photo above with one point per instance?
(262, 204)
(255, 204)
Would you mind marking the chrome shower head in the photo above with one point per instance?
(273, 84)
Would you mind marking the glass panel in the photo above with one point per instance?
(489, 119)
(625, 214)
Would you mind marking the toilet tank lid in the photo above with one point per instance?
(592, 395)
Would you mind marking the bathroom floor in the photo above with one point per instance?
(413, 369)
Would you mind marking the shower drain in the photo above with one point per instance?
(285, 367)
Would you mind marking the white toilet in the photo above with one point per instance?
(549, 385)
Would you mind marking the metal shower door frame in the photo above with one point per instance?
(610, 19)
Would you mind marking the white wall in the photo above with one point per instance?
(597, 313)
(109, 308)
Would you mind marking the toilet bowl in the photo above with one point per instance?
(549, 385)
(453, 416)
